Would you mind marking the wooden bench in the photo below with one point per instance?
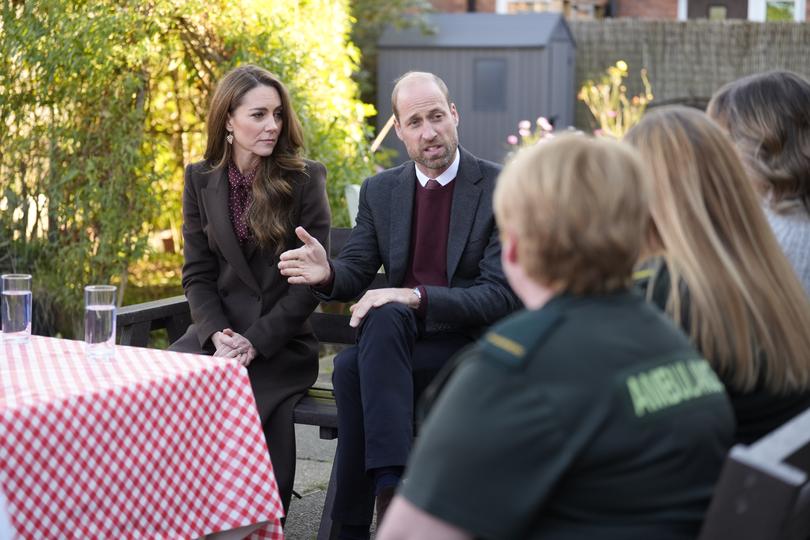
(136, 322)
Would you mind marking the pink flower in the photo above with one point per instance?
(524, 124)
(544, 124)
(612, 114)
(512, 139)
(524, 132)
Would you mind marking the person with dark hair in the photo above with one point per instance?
(429, 222)
(767, 116)
(241, 205)
(587, 415)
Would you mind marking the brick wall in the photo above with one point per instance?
(460, 6)
(648, 9)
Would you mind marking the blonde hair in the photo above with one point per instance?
(767, 116)
(579, 207)
(269, 215)
(749, 314)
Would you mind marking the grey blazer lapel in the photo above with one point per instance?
(401, 208)
(215, 198)
(466, 194)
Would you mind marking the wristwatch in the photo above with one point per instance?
(418, 294)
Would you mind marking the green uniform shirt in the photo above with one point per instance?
(589, 418)
(757, 411)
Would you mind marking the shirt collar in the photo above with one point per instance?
(237, 179)
(446, 177)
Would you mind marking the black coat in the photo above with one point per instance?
(230, 286)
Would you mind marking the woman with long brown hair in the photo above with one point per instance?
(721, 274)
(767, 116)
(241, 206)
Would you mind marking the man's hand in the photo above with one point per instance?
(307, 265)
(230, 344)
(378, 297)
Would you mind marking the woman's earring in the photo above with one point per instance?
(229, 138)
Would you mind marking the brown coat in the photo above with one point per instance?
(235, 287)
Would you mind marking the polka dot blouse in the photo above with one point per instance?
(240, 195)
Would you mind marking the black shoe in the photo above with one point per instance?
(383, 500)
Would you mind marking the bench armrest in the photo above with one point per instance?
(136, 321)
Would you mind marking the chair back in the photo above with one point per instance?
(764, 489)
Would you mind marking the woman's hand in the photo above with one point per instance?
(230, 344)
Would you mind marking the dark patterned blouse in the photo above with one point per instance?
(240, 195)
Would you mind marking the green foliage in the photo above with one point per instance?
(103, 103)
(779, 11)
(371, 18)
(304, 43)
(76, 182)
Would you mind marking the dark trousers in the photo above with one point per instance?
(279, 433)
(376, 385)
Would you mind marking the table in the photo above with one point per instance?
(148, 444)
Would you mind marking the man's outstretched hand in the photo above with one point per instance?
(307, 265)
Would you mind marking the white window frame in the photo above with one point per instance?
(683, 10)
(756, 10)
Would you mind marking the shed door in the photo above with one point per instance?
(561, 89)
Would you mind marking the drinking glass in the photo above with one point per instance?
(16, 307)
(99, 320)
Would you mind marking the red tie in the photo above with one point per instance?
(432, 184)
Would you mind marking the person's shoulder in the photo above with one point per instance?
(513, 342)
(387, 179)
(489, 169)
(392, 173)
(200, 167)
(314, 173)
(201, 173)
(313, 166)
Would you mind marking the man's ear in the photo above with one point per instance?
(397, 128)
(454, 113)
(509, 246)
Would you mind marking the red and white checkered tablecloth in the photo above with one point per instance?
(149, 444)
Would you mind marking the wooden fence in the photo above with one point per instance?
(686, 61)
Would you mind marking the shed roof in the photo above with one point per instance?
(479, 30)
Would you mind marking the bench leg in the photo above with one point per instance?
(328, 530)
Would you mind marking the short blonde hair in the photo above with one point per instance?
(579, 207)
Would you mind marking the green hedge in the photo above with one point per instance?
(104, 102)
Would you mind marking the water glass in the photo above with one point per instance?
(99, 320)
(16, 307)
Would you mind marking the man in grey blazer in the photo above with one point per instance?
(429, 223)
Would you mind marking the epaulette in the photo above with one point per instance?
(511, 342)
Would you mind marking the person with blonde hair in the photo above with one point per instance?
(587, 415)
(719, 271)
(241, 205)
(767, 116)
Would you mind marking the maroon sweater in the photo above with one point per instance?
(430, 228)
